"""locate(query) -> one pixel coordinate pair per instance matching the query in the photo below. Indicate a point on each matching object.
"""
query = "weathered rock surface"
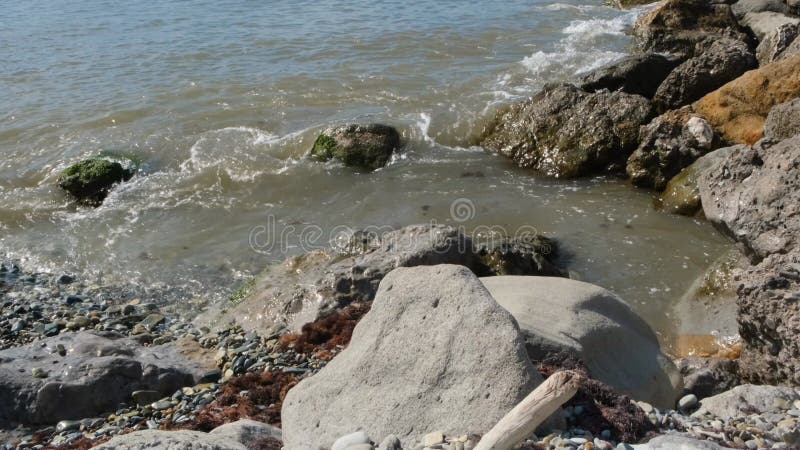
(365, 146)
(738, 109)
(748, 399)
(723, 60)
(743, 7)
(96, 373)
(705, 377)
(674, 442)
(435, 352)
(762, 24)
(557, 314)
(769, 320)
(682, 193)
(90, 180)
(676, 26)
(247, 431)
(299, 290)
(171, 440)
(754, 196)
(567, 132)
(783, 121)
(636, 74)
(669, 143)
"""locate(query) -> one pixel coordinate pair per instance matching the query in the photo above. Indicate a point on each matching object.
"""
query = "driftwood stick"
(521, 422)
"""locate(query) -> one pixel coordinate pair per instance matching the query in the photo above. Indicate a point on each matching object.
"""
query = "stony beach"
(427, 337)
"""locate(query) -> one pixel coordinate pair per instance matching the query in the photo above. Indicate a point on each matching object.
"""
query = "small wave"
(563, 6)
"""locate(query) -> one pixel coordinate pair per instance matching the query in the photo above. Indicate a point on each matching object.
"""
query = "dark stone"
(566, 132)
(705, 377)
(636, 74)
(72, 299)
(364, 146)
(66, 279)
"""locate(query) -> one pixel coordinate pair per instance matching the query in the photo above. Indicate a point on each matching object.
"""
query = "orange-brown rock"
(739, 108)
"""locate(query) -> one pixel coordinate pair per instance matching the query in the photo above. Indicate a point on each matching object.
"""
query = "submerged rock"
(739, 108)
(417, 362)
(721, 61)
(90, 180)
(669, 143)
(676, 26)
(305, 287)
(364, 146)
(566, 132)
(560, 315)
(635, 74)
(682, 193)
(97, 373)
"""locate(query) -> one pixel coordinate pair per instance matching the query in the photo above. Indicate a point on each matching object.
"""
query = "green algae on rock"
(363, 146)
(90, 180)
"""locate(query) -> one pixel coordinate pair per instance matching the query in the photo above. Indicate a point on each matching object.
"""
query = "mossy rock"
(363, 146)
(90, 180)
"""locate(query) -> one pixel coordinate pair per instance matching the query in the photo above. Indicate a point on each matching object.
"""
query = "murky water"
(220, 101)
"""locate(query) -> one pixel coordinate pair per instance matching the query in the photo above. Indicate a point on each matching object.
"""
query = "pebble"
(687, 402)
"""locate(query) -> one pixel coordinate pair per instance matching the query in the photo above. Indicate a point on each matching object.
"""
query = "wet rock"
(99, 372)
(705, 377)
(364, 146)
(783, 121)
(767, 182)
(314, 284)
(676, 26)
(743, 7)
(747, 399)
(558, 315)
(636, 74)
(171, 440)
(417, 361)
(769, 320)
(722, 61)
(566, 132)
(669, 143)
(90, 180)
(682, 193)
(739, 108)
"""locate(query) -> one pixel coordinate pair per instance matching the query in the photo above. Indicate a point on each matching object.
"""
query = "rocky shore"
(428, 338)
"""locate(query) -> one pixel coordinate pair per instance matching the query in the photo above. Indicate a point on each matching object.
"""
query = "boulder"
(678, 442)
(783, 121)
(762, 24)
(705, 377)
(769, 320)
(743, 7)
(171, 440)
(676, 26)
(754, 197)
(417, 363)
(247, 431)
(557, 315)
(778, 44)
(669, 143)
(566, 132)
(682, 193)
(639, 74)
(747, 399)
(723, 60)
(313, 284)
(97, 373)
(90, 180)
(364, 146)
(738, 109)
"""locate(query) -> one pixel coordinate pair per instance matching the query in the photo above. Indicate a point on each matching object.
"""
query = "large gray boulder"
(304, 287)
(748, 399)
(783, 121)
(754, 196)
(669, 143)
(171, 440)
(566, 132)
(435, 353)
(557, 314)
(721, 61)
(85, 374)
(639, 74)
(678, 442)
(682, 193)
